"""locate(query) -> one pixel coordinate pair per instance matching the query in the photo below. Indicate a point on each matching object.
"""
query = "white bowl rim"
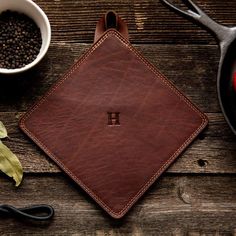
(42, 54)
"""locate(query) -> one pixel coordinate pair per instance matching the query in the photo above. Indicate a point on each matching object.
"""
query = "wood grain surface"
(149, 21)
(175, 205)
(197, 195)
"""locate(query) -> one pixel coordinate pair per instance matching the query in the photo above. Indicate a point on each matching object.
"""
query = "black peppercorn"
(20, 40)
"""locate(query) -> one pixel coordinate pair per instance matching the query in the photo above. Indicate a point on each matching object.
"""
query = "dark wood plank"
(148, 20)
(191, 68)
(204, 205)
(213, 152)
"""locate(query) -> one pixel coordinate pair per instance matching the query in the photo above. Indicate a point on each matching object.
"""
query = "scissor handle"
(220, 31)
(36, 212)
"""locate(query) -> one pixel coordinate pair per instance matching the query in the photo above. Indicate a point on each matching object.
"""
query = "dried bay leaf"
(3, 130)
(9, 163)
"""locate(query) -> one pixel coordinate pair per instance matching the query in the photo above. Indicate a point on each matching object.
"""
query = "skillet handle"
(222, 33)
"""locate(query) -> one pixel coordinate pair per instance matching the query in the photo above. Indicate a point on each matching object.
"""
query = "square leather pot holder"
(113, 122)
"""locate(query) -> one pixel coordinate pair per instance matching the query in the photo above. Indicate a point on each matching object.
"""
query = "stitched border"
(164, 166)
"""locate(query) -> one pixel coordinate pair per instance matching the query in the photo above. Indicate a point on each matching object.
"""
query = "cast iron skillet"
(227, 67)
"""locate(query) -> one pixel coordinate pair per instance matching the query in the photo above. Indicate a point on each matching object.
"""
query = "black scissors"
(226, 81)
(35, 213)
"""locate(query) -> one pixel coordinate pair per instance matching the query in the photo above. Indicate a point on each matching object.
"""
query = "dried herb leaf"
(9, 164)
(3, 130)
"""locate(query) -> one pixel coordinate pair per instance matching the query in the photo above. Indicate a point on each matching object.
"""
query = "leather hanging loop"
(111, 20)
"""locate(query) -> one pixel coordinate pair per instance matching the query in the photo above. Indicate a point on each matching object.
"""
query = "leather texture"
(113, 123)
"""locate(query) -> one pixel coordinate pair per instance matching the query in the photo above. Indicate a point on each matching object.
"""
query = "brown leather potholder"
(113, 122)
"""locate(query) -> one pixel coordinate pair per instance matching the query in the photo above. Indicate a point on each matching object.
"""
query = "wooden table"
(197, 195)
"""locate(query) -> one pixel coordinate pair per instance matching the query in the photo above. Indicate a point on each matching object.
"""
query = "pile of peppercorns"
(20, 40)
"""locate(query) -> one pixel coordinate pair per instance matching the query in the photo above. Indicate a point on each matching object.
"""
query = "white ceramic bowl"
(32, 10)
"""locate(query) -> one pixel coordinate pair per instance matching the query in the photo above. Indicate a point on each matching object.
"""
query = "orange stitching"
(161, 77)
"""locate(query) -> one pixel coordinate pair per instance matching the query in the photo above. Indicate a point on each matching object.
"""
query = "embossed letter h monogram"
(113, 118)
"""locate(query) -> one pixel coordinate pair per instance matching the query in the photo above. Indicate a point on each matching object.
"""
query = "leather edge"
(131, 202)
